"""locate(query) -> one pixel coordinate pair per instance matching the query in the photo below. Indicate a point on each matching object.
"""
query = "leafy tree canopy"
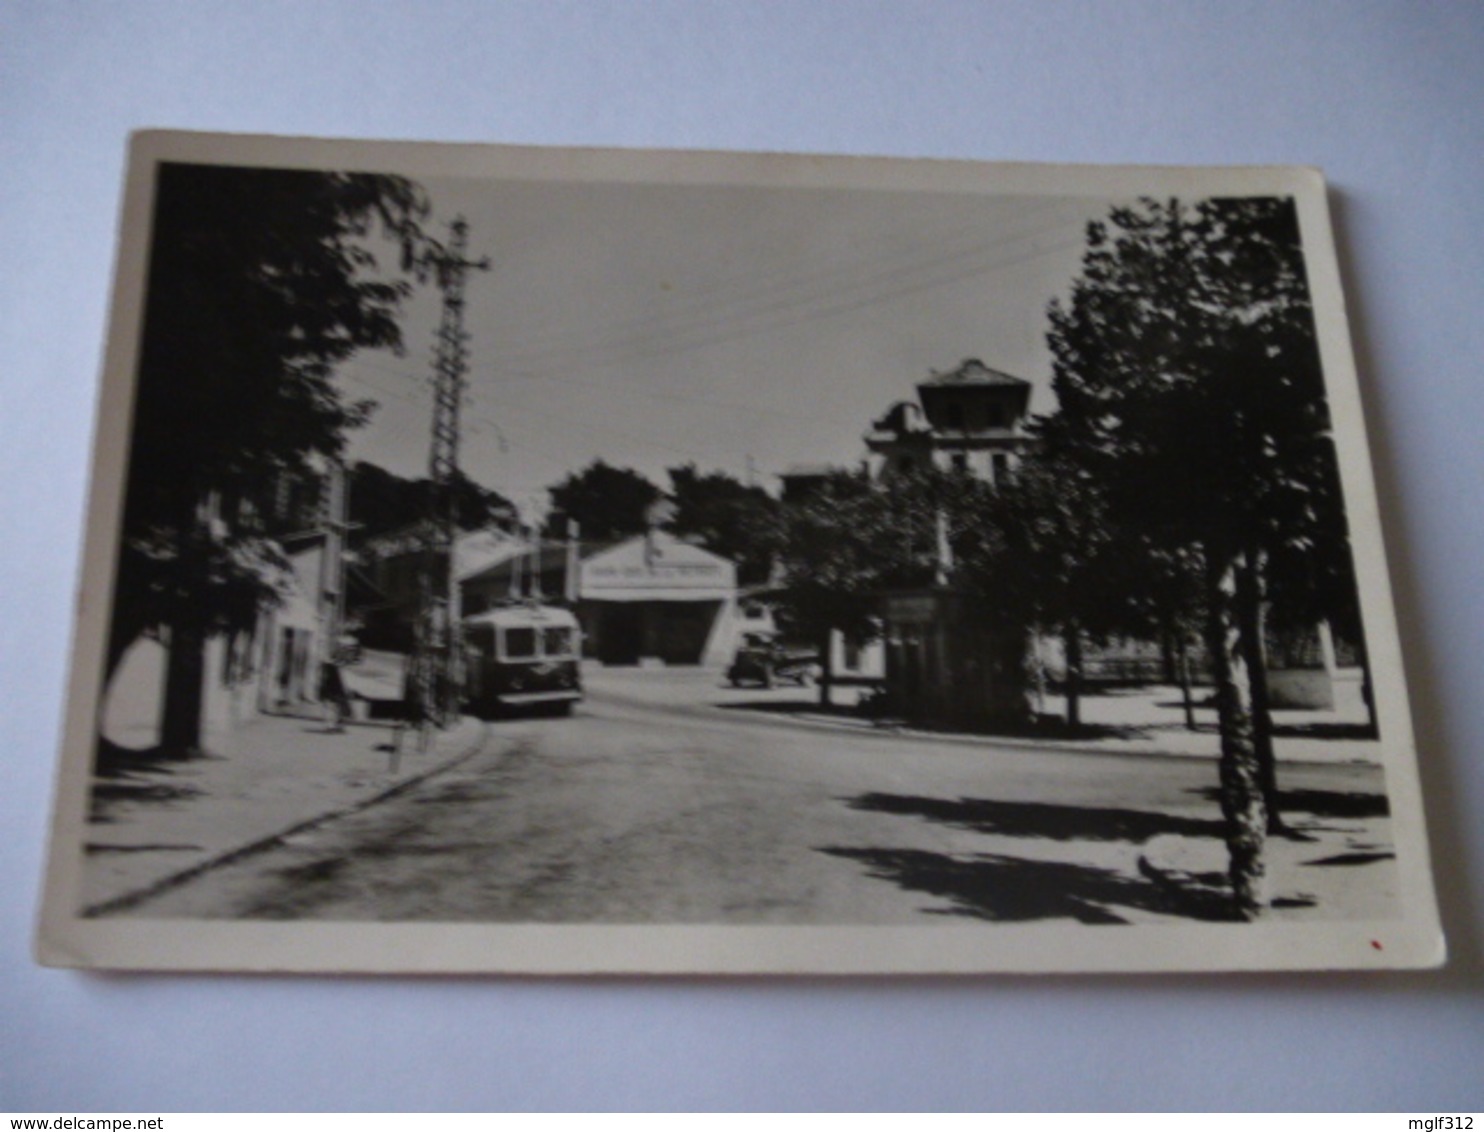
(851, 538)
(260, 280)
(1185, 363)
(739, 522)
(1188, 382)
(607, 502)
(381, 501)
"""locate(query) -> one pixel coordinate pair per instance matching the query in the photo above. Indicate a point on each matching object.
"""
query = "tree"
(381, 501)
(260, 281)
(834, 558)
(1188, 382)
(851, 538)
(606, 502)
(741, 523)
(1065, 535)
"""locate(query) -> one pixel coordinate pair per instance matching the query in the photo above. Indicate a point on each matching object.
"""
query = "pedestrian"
(332, 691)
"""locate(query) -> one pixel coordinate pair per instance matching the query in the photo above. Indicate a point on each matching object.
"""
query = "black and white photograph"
(536, 561)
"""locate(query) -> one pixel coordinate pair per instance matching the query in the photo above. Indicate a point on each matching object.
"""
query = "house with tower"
(970, 418)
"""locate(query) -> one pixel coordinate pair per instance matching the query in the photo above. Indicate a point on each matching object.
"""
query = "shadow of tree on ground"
(1326, 730)
(791, 707)
(1010, 889)
(1321, 803)
(1041, 727)
(1040, 819)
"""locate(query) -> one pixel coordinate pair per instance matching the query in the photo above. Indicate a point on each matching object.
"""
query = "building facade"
(656, 599)
(969, 419)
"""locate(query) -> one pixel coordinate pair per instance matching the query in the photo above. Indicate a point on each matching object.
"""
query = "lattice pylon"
(437, 668)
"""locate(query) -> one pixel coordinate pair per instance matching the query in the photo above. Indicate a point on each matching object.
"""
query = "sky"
(737, 328)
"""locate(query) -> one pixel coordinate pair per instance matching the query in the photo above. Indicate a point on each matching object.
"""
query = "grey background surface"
(1387, 97)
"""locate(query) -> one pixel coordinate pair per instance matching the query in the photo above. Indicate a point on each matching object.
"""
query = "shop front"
(657, 600)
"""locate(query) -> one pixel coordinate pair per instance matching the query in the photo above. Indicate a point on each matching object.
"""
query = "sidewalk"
(265, 779)
(1147, 720)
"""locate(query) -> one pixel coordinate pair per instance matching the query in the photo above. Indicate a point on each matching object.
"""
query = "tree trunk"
(185, 667)
(185, 670)
(1240, 774)
(1186, 699)
(826, 673)
(1072, 642)
(1250, 596)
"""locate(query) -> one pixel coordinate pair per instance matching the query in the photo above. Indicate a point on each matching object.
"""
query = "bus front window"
(520, 644)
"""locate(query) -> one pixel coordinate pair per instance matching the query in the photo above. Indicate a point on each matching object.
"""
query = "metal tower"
(438, 658)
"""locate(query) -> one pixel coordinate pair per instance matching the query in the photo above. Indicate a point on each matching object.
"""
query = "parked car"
(767, 662)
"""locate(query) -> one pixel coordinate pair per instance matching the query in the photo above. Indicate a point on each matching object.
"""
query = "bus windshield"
(556, 640)
(520, 644)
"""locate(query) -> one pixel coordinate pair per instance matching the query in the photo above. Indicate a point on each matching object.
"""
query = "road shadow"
(1351, 732)
(124, 791)
(1010, 889)
(1320, 803)
(1043, 726)
(111, 761)
(791, 707)
(1329, 730)
(1047, 725)
(1040, 819)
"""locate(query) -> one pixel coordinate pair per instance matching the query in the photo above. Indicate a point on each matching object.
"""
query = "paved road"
(638, 810)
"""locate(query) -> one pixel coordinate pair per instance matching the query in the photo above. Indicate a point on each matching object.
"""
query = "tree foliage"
(260, 281)
(1188, 381)
(730, 518)
(381, 501)
(1187, 377)
(607, 502)
(836, 555)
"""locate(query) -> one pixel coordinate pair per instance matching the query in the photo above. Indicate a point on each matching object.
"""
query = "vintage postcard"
(566, 561)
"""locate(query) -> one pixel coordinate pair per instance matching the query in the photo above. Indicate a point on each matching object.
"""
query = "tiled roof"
(971, 371)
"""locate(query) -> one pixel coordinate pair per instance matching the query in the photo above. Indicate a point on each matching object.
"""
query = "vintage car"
(766, 662)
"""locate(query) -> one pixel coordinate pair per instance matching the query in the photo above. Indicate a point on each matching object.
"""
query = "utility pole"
(437, 662)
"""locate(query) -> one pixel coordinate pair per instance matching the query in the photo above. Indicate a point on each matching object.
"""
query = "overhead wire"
(751, 288)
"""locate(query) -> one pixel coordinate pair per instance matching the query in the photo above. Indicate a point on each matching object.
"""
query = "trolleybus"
(522, 657)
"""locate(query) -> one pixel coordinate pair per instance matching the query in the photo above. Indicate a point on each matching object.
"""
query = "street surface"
(665, 799)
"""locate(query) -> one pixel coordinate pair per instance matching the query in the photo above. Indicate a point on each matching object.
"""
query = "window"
(1001, 464)
(520, 644)
(556, 641)
(960, 461)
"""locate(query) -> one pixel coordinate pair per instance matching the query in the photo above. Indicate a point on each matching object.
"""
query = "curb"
(229, 856)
